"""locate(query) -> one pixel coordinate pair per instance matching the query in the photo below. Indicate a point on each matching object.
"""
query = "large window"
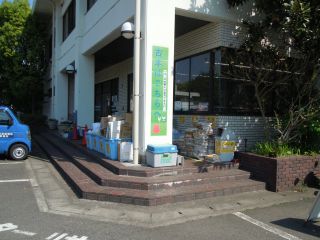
(192, 84)
(69, 19)
(204, 85)
(90, 4)
(233, 93)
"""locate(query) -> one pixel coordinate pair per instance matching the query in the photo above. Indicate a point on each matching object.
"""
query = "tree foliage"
(22, 55)
(286, 39)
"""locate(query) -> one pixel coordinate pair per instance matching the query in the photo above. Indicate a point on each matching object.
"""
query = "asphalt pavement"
(36, 204)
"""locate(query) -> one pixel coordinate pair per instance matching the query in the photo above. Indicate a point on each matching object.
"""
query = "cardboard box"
(125, 151)
(126, 130)
(129, 118)
(105, 120)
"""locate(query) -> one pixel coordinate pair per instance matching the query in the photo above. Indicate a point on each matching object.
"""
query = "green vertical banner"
(159, 98)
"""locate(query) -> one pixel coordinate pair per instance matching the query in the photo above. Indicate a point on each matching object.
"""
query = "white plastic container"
(161, 155)
(113, 130)
(125, 151)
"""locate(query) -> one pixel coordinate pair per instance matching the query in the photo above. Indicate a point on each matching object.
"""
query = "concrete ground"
(37, 204)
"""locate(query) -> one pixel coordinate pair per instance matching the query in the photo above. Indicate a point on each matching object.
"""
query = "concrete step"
(86, 188)
(104, 177)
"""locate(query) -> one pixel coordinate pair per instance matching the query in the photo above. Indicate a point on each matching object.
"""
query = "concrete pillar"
(59, 79)
(156, 78)
(84, 89)
(84, 77)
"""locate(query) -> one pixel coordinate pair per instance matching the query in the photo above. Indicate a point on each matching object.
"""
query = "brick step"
(87, 188)
(102, 176)
(138, 171)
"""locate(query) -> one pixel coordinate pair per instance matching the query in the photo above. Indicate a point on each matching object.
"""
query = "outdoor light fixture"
(70, 69)
(127, 30)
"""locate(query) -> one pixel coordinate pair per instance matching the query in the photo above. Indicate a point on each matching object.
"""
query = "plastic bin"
(102, 145)
(112, 148)
(95, 142)
(161, 155)
(89, 140)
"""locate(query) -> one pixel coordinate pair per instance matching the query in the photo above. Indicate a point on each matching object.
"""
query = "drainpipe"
(53, 61)
(136, 83)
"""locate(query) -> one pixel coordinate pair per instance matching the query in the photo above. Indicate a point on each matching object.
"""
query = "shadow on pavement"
(311, 228)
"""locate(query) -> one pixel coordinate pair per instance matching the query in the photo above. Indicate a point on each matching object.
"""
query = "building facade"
(184, 44)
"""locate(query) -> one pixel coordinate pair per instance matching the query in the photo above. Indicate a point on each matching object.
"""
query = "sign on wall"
(159, 96)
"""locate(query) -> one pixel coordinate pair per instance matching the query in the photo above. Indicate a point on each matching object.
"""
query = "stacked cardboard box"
(197, 142)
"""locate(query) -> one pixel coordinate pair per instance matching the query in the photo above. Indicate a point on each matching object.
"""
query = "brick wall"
(280, 174)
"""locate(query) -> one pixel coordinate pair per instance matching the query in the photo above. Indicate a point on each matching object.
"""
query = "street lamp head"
(70, 69)
(127, 30)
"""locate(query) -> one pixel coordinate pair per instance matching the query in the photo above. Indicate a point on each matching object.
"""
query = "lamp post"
(128, 32)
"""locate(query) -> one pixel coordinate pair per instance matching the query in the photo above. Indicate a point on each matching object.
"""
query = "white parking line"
(273, 230)
(14, 180)
(11, 163)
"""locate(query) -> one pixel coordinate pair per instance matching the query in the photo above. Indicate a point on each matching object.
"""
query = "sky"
(30, 2)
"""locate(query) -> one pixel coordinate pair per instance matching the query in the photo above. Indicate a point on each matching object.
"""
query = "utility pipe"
(136, 83)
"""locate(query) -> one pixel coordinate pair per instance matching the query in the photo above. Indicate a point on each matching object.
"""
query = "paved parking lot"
(21, 218)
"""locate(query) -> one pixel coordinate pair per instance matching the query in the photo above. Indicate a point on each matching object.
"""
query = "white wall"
(210, 36)
(157, 27)
(103, 21)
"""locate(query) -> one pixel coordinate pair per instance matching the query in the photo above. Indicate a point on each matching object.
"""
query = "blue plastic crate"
(95, 142)
(102, 145)
(89, 140)
(112, 148)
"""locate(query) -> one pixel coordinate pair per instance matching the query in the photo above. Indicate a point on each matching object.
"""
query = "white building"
(183, 39)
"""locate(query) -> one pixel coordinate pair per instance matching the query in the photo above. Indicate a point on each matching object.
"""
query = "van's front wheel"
(19, 152)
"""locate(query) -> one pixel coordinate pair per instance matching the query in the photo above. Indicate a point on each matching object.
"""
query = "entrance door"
(106, 98)
(70, 97)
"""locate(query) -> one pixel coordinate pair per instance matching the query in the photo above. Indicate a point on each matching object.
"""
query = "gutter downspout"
(53, 61)
(136, 82)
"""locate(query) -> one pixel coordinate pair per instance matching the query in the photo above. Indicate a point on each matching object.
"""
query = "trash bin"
(225, 144)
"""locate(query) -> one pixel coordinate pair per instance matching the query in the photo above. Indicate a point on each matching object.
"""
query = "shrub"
(274, 149)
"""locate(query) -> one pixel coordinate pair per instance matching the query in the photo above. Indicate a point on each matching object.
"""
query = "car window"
(4, 117)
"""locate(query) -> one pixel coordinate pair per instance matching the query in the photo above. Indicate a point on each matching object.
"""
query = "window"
(90, 4)
(233, 93)
(69, 20)
(192, 84)
(204, 85)
(4, 118)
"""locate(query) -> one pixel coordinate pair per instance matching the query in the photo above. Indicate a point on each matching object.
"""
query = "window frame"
(69, 20)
